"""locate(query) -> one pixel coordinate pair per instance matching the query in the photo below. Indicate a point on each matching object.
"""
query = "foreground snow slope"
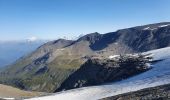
(158, 75)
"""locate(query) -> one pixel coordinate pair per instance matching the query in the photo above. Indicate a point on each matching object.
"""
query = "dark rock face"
(154, 93)
(41, 70)
(104, 41)
(98, 71)
(92, 38)
(42, 60)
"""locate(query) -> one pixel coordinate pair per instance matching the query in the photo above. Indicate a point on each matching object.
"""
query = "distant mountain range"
(10, 51)
(51, 64)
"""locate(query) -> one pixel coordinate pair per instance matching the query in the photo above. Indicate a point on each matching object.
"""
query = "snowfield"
(158, 75)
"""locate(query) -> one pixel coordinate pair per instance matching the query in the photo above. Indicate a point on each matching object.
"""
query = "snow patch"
(154, 28)
(116, 43)
(113, 56)
(147, 28)
(164, 25)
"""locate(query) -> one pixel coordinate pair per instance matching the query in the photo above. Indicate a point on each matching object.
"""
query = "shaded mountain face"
(98, 71)
(51, 64)
(137, 39)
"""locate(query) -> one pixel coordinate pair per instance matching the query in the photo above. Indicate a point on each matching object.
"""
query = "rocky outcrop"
(98, 71)
(154, 93)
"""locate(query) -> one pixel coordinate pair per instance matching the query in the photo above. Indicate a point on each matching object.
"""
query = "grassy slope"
(58, 70)
(65, 62)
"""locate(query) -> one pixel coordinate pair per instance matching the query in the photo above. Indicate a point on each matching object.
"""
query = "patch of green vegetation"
(66, 62)
(48, 81)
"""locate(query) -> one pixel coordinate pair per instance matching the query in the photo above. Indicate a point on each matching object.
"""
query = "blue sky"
(52, 19)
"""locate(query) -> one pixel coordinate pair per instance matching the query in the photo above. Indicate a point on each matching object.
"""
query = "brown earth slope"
(11, 92)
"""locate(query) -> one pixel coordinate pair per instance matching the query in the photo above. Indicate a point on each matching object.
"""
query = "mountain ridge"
(46, 68)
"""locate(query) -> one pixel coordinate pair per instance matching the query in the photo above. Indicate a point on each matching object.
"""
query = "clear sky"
(51, 19)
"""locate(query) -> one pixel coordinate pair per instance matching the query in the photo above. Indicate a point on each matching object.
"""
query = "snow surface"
(113, 56)
(158, 75)
(164, 25)
(147, 28)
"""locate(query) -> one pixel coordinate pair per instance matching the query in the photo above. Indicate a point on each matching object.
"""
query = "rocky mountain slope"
(51, 64)
(99, 71)
(154, 93)
(157, 76)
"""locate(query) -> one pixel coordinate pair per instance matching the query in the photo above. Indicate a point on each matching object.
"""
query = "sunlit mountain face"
(10, 51)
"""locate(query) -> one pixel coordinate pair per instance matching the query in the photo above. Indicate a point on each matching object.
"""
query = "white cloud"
(33, 38)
